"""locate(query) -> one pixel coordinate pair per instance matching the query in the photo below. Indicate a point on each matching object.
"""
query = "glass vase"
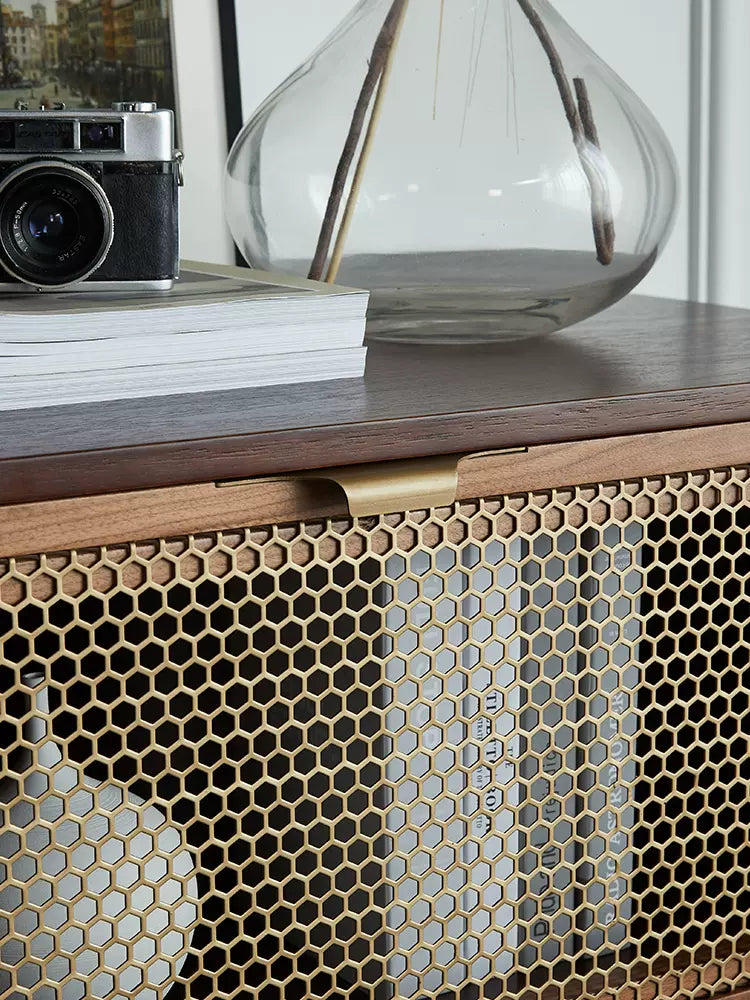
(474, 164)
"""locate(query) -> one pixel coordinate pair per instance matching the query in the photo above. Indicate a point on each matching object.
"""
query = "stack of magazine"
(217, 328)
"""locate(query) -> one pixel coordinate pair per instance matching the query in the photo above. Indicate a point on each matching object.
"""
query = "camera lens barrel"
(56, 224)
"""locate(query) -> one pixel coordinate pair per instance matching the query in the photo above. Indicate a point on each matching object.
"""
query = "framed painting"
(86, 53)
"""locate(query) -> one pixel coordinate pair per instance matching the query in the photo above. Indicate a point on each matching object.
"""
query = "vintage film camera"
(89, 199)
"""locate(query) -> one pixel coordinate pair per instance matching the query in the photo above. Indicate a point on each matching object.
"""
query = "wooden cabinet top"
(647, 364)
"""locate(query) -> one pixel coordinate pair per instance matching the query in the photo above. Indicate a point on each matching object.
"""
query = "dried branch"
(364, 156)
(558, 70)
(581, 120)
(578, 112)
(601, 203)
(378, 60)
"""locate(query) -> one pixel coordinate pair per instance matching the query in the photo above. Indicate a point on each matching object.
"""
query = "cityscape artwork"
(85, 53)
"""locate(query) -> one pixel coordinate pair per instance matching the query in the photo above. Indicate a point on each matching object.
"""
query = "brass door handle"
(385, 487)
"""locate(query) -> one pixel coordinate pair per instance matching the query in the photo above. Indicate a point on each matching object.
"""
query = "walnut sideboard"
(432, 685)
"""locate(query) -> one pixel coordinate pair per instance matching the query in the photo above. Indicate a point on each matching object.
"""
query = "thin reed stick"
(467, 97)
(482, 33)
(437, 58)
(364, 156)
(383, 45)
(511, 89)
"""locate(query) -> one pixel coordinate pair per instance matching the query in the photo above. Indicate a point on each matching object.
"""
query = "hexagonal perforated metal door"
(498, 748)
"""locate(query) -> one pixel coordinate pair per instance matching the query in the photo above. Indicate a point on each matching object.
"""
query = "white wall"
(728, 154)
(204, 235)
(277, 37)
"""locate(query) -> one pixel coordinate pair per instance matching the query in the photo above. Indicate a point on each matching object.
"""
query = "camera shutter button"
(133, 106)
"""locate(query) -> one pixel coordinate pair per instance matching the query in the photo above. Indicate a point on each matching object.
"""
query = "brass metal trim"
(386, 487)
(495, 749)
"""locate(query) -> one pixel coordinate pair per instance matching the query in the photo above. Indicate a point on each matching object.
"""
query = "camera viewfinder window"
(101, 135)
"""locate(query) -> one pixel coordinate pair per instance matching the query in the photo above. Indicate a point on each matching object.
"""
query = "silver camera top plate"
(147, 133)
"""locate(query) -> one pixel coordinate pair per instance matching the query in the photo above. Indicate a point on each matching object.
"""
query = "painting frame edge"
(230, 69)
(232, 86)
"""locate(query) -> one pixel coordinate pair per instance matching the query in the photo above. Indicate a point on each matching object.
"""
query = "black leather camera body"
(89, 200)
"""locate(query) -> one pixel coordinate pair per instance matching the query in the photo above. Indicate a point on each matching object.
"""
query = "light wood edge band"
(696, 982)
(87, 522)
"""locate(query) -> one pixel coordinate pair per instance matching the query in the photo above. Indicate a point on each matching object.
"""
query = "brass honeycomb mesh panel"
(500, 748)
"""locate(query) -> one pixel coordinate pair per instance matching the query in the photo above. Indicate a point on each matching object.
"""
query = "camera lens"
(56, 224)
(45, 222)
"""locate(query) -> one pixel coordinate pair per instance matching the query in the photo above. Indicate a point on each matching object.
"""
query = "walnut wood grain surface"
(647, 364)
(90, 521)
